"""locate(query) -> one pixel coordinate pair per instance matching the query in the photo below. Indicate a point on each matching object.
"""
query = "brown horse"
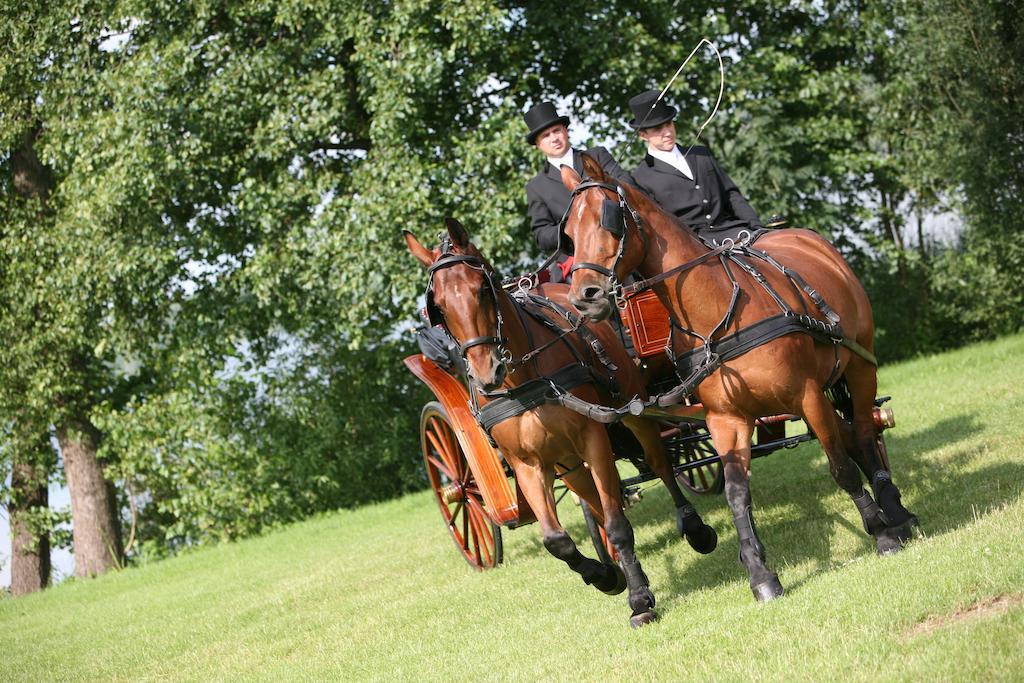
(785, 375)
(491, 326)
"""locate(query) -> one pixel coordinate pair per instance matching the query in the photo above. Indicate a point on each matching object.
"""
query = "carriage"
(476, 490)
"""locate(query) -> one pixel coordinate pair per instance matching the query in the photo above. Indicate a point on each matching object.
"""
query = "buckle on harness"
(620, 298)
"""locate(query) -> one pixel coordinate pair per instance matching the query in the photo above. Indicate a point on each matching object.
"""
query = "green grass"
(380, 592)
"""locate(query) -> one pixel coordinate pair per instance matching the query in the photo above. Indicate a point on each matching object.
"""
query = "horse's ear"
(592, 169)
(570, 178)
(460, 237)
(422, 254)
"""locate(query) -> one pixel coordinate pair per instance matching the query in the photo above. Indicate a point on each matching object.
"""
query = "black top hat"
(540, 117)
(644, 116)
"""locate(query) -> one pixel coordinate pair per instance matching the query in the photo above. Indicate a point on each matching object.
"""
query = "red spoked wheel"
(706, 479)
(456, 491)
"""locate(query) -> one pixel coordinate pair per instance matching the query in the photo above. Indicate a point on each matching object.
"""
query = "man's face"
(662, 138)
(553, 140)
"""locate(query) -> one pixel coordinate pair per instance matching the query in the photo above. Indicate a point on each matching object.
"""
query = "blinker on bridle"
(434, 316)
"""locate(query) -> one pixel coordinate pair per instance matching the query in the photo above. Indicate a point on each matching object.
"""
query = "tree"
(951, 117)
(48, 366)
(27, 509)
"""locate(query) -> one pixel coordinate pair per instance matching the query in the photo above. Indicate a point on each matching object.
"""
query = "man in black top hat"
(545, 193)
(686, 183)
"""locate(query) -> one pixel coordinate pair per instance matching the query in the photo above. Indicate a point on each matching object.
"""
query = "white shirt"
(564, 160)
(674, 158)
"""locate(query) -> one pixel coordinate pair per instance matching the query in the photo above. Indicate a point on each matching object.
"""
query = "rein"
(533, 353)
(641, 285)
(714, 352)
(543, 389)
(576, 323)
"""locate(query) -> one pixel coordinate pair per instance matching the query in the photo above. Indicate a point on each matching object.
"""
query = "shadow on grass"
(945, 497)
(790, 490)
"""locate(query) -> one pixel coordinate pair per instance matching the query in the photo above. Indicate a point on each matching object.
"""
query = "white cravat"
(564, 160)
(674, 159)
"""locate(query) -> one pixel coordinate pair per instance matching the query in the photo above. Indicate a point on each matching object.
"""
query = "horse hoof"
(892, 539)
(704, 540)
(886, 547)
(620, 580)
(642, 619)
(907, 528)
(768, 590)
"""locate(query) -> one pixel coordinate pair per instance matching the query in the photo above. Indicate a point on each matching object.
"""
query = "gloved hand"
(566, 266)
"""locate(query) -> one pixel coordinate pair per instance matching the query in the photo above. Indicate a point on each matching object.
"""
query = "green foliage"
(959, 295)
(228, 458)
(976, 294)
(952, 117)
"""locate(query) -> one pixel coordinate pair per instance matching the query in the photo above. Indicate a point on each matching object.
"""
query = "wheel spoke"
(703, 480)
(706, 478)
(475, 526)
(441, 466)
(483, 531)
(457, 462)
(485, 542)
(479, 528)
(451, 452)
(455, 514)
(435, 441)
(436, 429)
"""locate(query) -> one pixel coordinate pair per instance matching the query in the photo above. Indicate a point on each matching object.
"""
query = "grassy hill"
(380, 592)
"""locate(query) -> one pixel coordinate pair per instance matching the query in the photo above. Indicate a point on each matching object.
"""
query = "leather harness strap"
(531, 394)
(696, 365)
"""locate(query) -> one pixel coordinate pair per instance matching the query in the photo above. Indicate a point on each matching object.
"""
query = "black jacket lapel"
(668, 169)
(691, 161)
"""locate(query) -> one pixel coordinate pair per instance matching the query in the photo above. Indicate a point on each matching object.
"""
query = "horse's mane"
(592, 169)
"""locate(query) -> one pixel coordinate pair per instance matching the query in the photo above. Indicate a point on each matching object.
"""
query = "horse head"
(606, 236)
(463, 296)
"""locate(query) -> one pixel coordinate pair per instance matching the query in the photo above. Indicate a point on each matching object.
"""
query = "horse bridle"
(434, 315)
(613, 220)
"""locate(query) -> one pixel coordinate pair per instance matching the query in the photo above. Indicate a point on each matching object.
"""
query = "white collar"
(564, 160)
(674, 159)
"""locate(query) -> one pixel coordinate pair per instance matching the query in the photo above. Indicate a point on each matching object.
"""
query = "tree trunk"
(922, 249)
(29, 176)
(95, 528)
(30, 554)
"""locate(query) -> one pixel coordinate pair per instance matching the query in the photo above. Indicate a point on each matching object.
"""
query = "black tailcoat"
(710, 204)
(548, 199)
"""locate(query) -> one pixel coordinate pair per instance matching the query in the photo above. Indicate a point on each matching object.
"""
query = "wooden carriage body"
(484, 460)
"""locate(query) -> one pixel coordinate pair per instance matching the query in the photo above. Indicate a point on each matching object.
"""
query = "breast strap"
(531, 394)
